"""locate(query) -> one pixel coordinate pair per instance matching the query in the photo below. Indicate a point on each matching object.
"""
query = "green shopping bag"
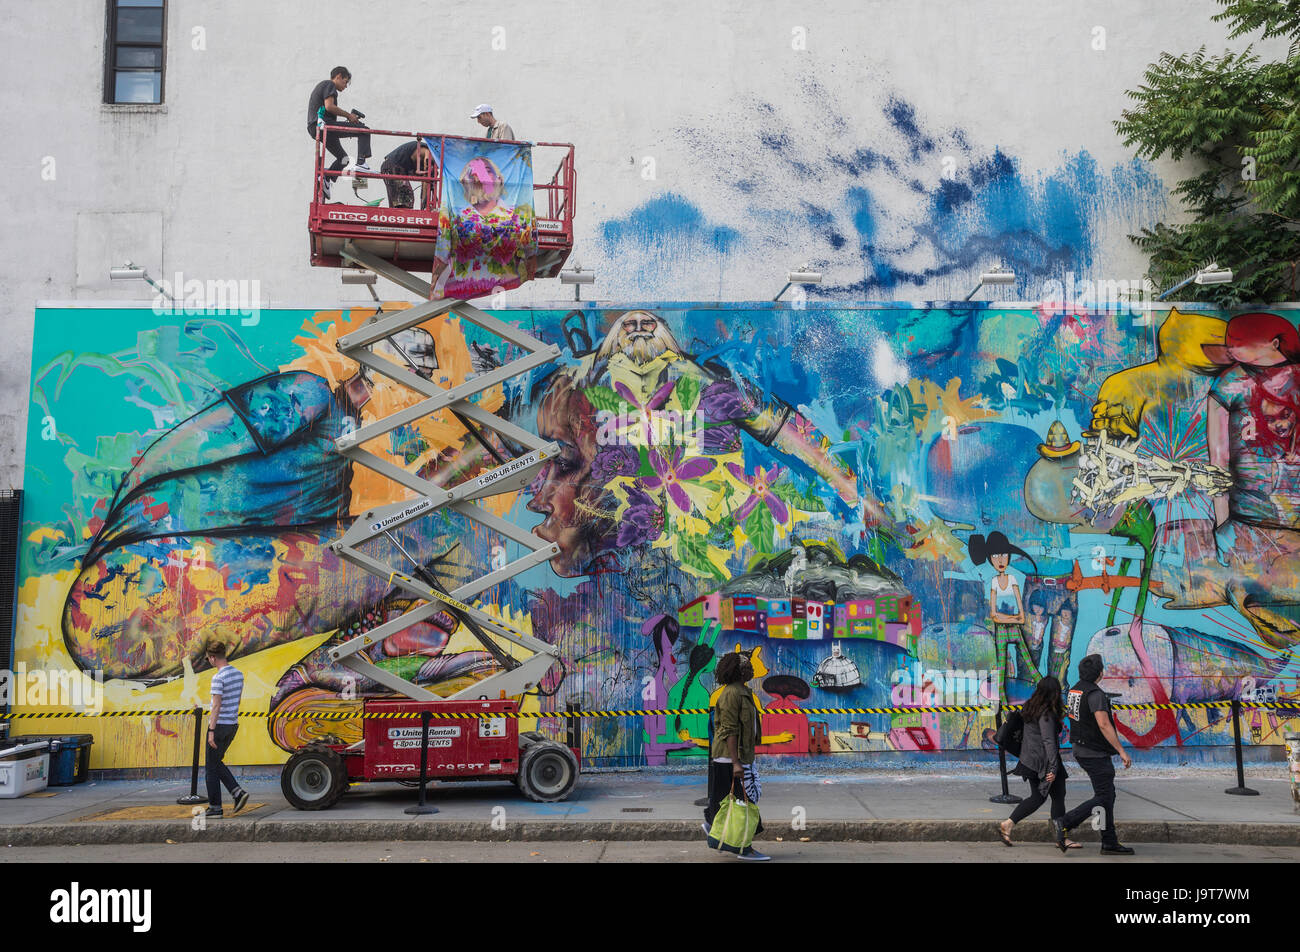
(734, 827)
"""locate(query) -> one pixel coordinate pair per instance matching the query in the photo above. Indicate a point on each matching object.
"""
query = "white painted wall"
(215, 183)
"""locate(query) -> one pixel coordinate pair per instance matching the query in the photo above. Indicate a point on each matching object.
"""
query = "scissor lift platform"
(407, 238)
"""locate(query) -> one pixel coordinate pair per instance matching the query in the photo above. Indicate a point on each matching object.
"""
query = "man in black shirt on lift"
(1095, 742)
(410, 158)
(323, 107)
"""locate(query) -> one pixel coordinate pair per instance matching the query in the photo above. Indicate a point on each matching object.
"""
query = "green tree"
(1235, 118)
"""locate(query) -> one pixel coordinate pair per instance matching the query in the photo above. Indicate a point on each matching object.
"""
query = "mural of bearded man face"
(640, 335)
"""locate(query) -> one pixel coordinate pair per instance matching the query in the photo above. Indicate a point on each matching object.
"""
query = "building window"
(133, 64)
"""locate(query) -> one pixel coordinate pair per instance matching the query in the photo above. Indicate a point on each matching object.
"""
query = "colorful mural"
(891, 507)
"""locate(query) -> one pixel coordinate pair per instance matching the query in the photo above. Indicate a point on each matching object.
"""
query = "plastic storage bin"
(69, 756)
(24, 769)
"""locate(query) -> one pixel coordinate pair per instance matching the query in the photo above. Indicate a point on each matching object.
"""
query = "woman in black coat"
(1040, 760)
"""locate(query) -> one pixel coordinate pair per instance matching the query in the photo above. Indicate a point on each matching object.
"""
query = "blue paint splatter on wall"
(888, 211)
(669, 217)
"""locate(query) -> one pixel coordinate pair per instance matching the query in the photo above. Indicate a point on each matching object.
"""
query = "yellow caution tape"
(1291, 707)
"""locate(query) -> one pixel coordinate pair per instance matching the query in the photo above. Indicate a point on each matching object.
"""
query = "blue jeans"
(215, 772)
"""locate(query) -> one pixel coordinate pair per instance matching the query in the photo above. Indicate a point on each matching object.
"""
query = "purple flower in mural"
(671, 470)
(760, 490)
(614, 461)
(657, 399)
(656, 402)
(643, 521)
(720, 403)
(724, 438)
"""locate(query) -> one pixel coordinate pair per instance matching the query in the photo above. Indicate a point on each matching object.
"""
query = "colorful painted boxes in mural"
(893, 619)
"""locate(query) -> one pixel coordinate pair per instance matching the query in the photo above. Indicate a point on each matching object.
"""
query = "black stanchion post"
(421, 807)
(1006, 796)
(709, 760)
(1240, 790)
(194, 797)
(574, 725)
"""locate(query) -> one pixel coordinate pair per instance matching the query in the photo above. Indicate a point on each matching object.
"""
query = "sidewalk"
(1155, 805)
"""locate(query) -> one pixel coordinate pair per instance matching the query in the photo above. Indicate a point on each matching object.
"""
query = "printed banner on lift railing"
(488, 232)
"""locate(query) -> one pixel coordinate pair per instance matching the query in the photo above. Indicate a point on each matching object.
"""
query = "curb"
(354, 831)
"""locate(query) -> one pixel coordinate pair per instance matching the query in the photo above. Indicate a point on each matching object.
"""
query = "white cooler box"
(24, 769)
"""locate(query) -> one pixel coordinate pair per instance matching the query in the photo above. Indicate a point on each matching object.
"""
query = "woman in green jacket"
(737, 729)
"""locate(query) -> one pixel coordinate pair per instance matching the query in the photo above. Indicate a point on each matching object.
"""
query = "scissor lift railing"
(408, 237)
(509, 475)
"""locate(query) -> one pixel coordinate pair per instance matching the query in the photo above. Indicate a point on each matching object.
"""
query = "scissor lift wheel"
(314, 778)
(547, 772)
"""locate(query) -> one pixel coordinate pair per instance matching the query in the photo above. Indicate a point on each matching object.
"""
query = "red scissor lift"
(407, 237)
(476, 733)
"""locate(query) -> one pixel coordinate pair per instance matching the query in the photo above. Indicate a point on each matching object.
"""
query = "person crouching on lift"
(410, 158)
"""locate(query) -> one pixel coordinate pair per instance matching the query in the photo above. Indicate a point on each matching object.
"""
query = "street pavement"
(1172, 806)
(653, 851)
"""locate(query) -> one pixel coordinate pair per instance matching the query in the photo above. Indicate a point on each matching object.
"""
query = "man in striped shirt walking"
(223, 722)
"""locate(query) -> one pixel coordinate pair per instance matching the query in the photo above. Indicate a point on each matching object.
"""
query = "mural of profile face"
(565, 491)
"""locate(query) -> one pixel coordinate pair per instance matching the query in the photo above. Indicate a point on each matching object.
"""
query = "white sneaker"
(362, 168)
(325, 183)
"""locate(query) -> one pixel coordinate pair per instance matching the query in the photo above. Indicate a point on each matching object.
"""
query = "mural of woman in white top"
(1006, 607)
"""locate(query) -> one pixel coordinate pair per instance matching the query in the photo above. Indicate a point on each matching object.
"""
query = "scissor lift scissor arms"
(496, 435)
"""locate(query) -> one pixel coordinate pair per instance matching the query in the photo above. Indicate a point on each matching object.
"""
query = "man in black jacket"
(1095, 742)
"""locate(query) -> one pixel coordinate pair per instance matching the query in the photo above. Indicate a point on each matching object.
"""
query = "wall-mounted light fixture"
(130, 272)
(804, 275)
(361, 276)
(998, 275)
(577, 277)
(1210, 274)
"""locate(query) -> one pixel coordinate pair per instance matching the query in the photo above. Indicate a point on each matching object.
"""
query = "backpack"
(1011, 734)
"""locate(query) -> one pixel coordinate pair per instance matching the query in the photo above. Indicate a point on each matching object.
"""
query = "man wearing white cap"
(497, 129)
